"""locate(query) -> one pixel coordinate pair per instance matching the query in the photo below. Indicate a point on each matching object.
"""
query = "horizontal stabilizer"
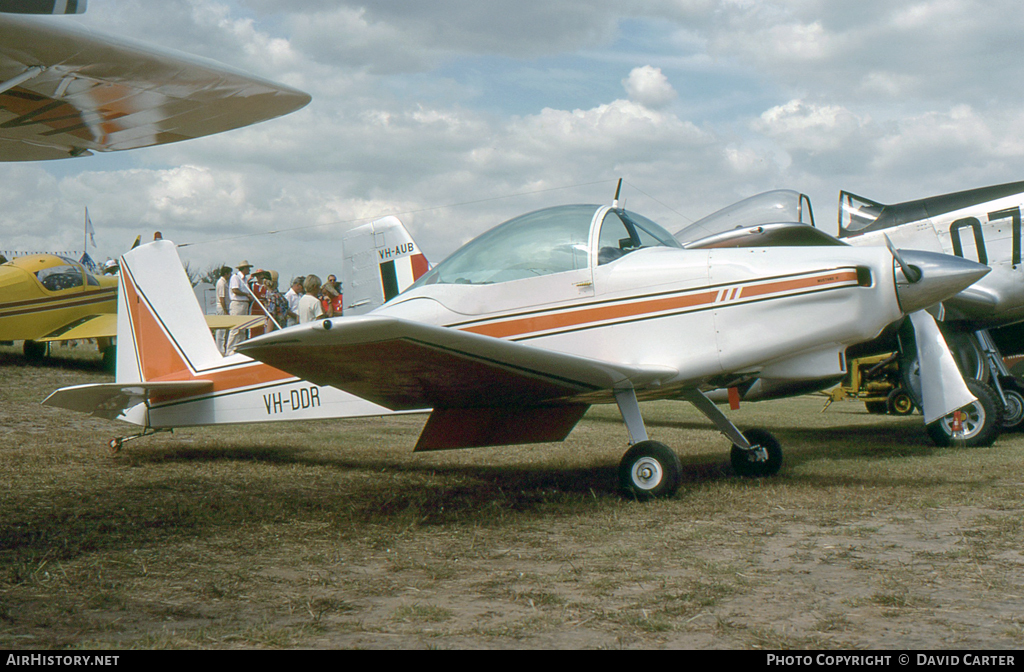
(109, 400)
(402, 364)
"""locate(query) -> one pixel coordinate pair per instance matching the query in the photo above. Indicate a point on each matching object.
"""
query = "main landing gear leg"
(115, 444)
(754, 453)
(649, 469)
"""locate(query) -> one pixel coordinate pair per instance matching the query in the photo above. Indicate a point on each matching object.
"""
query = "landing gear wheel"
(35, 351)
(649, 470)
(876, 407)
(746, 462)
(1013, 411)
(899, 402)
(115, 446)
(110, 358)
(982, 420)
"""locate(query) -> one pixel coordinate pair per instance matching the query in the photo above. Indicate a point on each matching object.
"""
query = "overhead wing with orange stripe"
(66, 91)
(402, 364)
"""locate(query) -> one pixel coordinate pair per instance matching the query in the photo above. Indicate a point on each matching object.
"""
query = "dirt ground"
(335, 535)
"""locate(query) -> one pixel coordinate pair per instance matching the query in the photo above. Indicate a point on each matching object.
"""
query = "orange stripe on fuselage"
(801, 283)
(576, 318)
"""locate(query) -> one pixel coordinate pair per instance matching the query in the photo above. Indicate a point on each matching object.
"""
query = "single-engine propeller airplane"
(47, 297)
(517, 333)
(982, 224)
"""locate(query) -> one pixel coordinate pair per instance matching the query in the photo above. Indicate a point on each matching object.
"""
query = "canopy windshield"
(543, 242)
(770, 207)
(538, 243)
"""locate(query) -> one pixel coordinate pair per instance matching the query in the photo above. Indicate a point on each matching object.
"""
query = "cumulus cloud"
(722, 99)
(803, 125)
(649, 87)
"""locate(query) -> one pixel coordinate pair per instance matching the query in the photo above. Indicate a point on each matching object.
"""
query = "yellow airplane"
(47, 297)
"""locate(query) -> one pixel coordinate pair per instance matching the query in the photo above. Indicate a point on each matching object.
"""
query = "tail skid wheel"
(764, 460)
(649, 470)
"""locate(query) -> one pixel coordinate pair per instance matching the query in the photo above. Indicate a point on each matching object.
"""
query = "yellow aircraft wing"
(93, 326)
(66, 91)
(105, 326)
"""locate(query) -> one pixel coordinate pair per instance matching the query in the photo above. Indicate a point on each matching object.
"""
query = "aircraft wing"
(484, 391)
(235, 321)
(109, 400)
(66, 91)
(402, 365)
(103, 325)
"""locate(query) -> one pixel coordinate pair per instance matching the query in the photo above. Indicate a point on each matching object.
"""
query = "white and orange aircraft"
(516, 334)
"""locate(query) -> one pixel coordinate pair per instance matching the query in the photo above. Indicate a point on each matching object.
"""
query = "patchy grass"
(334, 534)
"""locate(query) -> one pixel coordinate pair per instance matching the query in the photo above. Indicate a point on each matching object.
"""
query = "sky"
(456, 115)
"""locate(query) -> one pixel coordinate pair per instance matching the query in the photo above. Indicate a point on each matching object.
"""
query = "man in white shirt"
(309, 305)
(292, 296)
(238, 290)
(222, 306)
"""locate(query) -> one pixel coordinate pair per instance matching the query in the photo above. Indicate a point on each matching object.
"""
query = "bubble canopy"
(552, 240)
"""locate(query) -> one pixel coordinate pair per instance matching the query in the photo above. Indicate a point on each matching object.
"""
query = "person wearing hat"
(239, 292)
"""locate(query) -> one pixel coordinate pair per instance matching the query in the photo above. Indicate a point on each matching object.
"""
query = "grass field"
(334, 534)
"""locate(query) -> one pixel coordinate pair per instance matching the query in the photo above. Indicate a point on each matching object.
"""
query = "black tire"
(649, 470)
(743, 461)
(876, 407)
(35, 351)
(110, 359)
(1013, 411)
(899, 402)
(982, 422)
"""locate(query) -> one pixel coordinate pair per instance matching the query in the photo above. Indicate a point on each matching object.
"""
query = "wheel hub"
(647, 473)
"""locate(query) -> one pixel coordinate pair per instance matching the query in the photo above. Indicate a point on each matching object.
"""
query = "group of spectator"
(247, 292)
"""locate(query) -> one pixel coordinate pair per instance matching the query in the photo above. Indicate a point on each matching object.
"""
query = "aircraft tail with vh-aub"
(170, 372)
(381, 261)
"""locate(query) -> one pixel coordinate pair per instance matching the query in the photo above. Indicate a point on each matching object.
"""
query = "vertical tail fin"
(381, 260)
(161, 331)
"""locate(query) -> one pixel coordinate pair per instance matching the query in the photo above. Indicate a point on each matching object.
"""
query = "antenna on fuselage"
(615, 201)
